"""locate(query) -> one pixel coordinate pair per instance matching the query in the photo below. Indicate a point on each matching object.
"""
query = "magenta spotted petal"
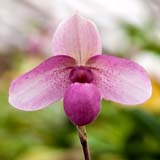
(82, 103)
(120, 80)
(43, 85)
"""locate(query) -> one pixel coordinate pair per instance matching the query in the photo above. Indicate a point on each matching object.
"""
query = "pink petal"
(82, 103)
(120, 80)
(41, 86)
(78, 38)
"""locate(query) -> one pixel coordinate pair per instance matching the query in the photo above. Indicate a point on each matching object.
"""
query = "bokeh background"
(128, 28)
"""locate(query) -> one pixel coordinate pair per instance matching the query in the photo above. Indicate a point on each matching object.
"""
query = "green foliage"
(144, 38)
(118, 133)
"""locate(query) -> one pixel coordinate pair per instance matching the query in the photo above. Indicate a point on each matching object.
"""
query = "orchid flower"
(80, 75)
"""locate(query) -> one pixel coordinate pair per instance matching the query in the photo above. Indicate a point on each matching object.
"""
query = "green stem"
(83, 139)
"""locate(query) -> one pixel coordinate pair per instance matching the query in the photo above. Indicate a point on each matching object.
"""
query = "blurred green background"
(119, 133)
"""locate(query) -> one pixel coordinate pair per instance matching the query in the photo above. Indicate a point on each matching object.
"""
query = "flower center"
(81, 75)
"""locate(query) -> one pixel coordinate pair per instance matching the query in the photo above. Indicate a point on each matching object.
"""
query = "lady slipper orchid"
(80, 75)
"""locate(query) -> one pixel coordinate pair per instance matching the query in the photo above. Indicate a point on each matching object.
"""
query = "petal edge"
(120, 80)
(41, 86)
(77, 37)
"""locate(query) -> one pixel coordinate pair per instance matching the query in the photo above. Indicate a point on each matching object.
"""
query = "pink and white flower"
(80, 75)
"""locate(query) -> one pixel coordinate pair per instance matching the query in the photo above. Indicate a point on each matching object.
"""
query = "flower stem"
(83, 139)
